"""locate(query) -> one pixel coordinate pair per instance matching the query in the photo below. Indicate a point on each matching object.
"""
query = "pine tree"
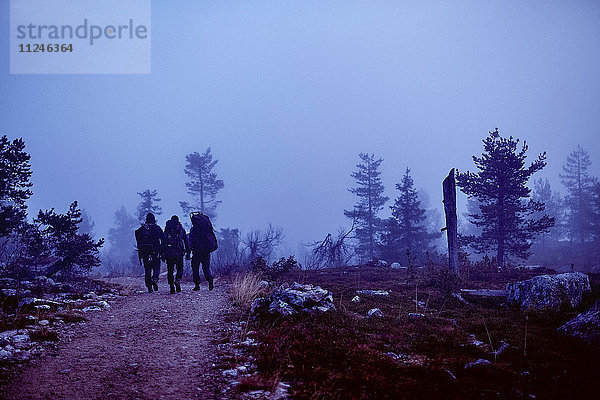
(542, 193)
(500, 186)
(121, 237)
(149, 204)
(579, 198)
(65, 244)
(15, 172)
(203, 184)
(405, 230)
(371, 200)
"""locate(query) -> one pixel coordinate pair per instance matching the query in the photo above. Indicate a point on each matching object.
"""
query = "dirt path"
(146, 346)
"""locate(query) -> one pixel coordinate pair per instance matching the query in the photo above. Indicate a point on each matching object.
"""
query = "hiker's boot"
(149, 289)
(210, 284)
(172, 289)
(155, 284)
(197, 287)
(177, 286)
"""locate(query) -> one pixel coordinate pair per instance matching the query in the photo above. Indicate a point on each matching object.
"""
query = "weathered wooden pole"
(449, 186)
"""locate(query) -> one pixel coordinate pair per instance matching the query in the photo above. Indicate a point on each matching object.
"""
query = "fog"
(287, 96)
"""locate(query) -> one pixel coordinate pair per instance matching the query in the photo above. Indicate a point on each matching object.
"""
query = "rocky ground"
(141, 346)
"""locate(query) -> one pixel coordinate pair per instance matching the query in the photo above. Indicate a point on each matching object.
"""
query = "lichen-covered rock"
(375, 313)
(548, 292)
(286, 301)
(373, 292)
(585, 326)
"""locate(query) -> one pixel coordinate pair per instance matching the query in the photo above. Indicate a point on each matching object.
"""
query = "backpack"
(143, 237)
(202, 234)
(172, 240)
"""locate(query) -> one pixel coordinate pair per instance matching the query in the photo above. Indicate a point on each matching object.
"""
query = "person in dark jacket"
(203, 242)
(174, 245)
(148, 238)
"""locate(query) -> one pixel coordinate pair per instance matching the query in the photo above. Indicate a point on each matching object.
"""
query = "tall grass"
(246, 288)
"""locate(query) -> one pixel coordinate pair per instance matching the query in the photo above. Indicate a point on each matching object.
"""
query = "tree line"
(505, 217)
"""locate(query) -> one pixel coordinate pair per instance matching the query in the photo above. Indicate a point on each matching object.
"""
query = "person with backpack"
(175, 245)
(148, 238)
(202, 242)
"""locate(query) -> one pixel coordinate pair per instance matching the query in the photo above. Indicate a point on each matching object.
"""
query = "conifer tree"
(371, 200)
(579, 194)
(405, 229)
(203, 184)
(500, 186)
(121, 236)
(148, 204)
(15, 172)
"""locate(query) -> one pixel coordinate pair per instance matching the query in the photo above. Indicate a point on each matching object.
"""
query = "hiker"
(148, 238)
(203, 241)
(175, 245)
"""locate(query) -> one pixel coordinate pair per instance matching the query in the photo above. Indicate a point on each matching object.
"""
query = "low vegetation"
(423, 345)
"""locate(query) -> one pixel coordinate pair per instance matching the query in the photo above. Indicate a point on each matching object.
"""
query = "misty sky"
(287, 94)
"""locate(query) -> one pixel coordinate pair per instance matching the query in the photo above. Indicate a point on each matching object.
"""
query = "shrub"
(276, 270)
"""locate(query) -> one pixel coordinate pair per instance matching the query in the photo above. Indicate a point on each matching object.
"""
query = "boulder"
(375, 312)
(286, 301)
(482, 362)
(373, 292)
(548, 292)
(396, 265)
(585, 326)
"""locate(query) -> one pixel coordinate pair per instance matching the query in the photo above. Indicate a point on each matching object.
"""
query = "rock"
(374, 292)
(103, 304)
(44, 322)
(548, 292)
(478, 363)
(585, 326)
(355, 299)
(29, 303)
(286, 301)
(65, 371)
(8, 292)
(396, 265)
(375, 312)
(5, 354)
(44, 280)
(413, 315)
(91, 308)
(484, 297)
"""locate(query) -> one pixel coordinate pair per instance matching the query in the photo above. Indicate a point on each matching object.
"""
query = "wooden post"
(449, 186)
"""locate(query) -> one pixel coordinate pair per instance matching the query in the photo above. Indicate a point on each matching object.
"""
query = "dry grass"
(246, 288)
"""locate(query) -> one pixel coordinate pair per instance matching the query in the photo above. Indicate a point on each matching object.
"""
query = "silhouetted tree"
(332, 252)
(579, 194)
(148, 204)
(500, 187)
(405, 231)
(371, 200)
(203, 184)
(542, 193)
(230, 251)
(262, 244)
(64, 245)
(15, 172)
(121, 236)
(87, 224)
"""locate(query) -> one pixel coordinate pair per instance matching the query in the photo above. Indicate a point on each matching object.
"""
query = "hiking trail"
(158, 346)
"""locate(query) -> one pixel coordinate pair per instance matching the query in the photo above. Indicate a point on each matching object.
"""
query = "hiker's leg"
(196, 268)
(155, 269)
(205, 259)
(170, 269)
(179, 265)
(147, 272)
